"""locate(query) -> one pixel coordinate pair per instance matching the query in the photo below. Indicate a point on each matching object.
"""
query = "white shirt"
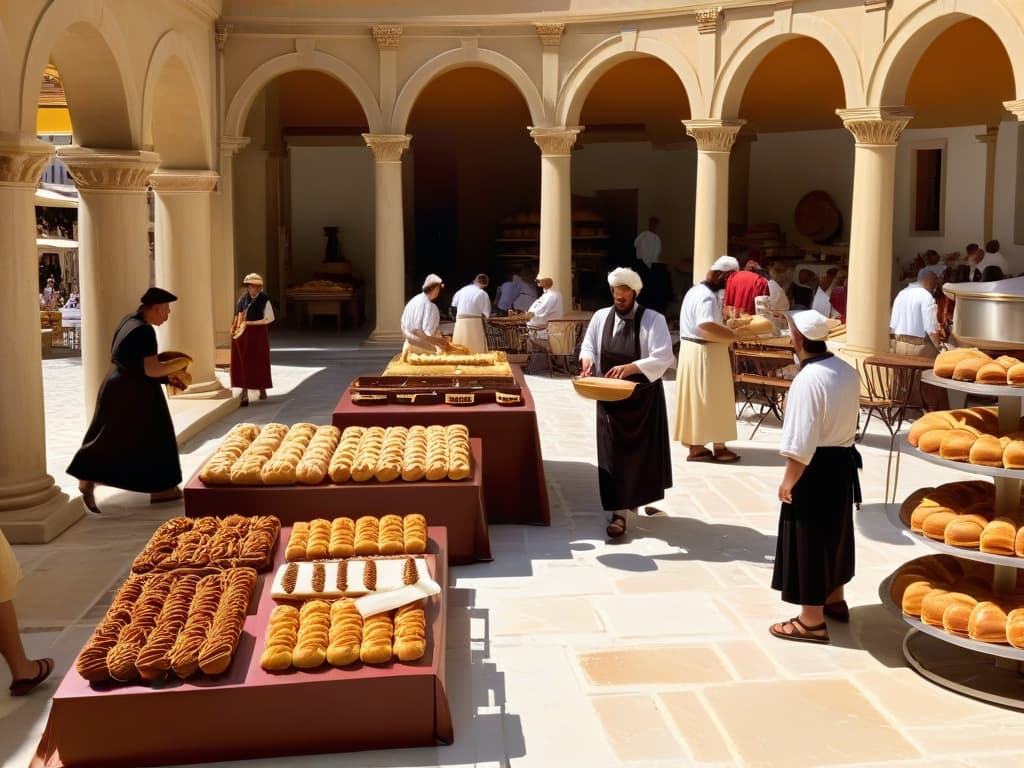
(822, 303)
(700, 305)
(648, 247)
(420, 314)
(471, 301)
(914, 312)
(655, 343)
(821, 409)
(777, 298)
(994, 260)
(545, 309)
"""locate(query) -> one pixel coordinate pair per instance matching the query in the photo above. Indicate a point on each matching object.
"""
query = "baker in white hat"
(421, 319)
(814, 552)
(706, 405)
(630, 341)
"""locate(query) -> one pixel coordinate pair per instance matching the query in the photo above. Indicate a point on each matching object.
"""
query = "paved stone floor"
(567, 650)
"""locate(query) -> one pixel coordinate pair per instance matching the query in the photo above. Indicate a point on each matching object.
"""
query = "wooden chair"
(563, 344)
(506, 335)
(757, 381)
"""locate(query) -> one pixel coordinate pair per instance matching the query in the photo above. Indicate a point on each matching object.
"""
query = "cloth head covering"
(157, 296)
(627, 277)
(752, 264)
(725, 264)
(432, 280)
(252, 279)
(810, 323)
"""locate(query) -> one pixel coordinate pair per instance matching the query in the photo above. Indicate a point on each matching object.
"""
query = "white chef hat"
(725, 264)
(627, 277)
(810, 323)
(432, 280)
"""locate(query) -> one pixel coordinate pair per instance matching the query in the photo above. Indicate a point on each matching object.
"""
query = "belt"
(693, 340)
(906, 339)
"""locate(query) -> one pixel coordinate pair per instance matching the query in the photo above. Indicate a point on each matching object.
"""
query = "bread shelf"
(970, 387)
(962, 466)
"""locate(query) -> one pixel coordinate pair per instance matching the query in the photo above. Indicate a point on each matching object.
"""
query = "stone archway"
(175, 114)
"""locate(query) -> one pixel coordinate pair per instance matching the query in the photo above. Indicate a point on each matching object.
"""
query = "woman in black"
(130, 443)
(250, 342)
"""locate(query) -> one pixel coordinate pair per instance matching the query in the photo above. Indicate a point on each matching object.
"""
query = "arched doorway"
(472, 169)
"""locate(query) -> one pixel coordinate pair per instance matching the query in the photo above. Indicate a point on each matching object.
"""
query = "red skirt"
(250, 359)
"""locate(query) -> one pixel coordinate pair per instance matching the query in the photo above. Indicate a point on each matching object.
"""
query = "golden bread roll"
(934, 526)
(410, 641)
(987, 623)
(931, 441)
(217, 650)
(314, 630)
(982, 420)
(282, 633)
(937, 602)
(415, 533)
(956, 445)
(346, 633)
(318, 546)
(1015, 375)
(991, 373)
(998, 537)
(184, 655)
(1013, 455)
(1018, 543)
(967, 369)
(391, 535)
(965, 531)
(343, 534)
(376, 647)
(296, 549)
(926, 423)
(367, 533)
(1007, 361)
(921, 513)
(946, 362)
(914, 595)
(986, 451)
(957, 617)
(1015, 628)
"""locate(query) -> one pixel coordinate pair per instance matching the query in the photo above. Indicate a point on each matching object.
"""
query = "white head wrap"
(627, 277)
(810, 323)
(725, 264)
(432, 280)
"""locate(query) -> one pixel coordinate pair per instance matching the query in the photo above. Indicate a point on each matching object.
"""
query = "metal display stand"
(987, 671)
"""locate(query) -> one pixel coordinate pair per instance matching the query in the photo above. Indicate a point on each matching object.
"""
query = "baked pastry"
(965, 531)
(946, 362)
(931, 441)
(415, 533)
(986, 451)
(319, 544)
(184, 655)
(340, 468)
(967, 369)
(1015, 628)
(1015, 375)
(956, 445)
(934, 526)
(987, 623)
(998, 537)
(343, 534)
(376, 647)
(314, 630)
(391, 535)
(914, 595)
(297, 542)
(367, 536)
(991, 373)
(921, 513)
(219, 647)
(1018, 543)
(282, 634)
(1013, 454)
(154, 660)
(410, 641)
(346, 633)
(957, 617)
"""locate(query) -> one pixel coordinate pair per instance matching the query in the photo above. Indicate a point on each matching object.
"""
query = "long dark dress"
(130, 443)
(633, 455)
(250, 352)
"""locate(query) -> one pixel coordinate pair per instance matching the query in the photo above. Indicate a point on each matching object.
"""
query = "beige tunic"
(705, 403)
(10, 571)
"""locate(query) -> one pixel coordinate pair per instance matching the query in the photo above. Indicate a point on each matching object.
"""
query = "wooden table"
(336, 305)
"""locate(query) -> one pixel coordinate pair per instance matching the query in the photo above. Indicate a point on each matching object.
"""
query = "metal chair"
(563, 343)
(757, 381)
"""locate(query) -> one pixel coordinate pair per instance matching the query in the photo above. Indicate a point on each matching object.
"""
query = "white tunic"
(914, 312)
(994, 260)
(655, 343)
(648, 247)
(821, 303)
(420, 314)
(700, 305)
(545, 309)
(471, 301)
(821, 409)
(777, 298)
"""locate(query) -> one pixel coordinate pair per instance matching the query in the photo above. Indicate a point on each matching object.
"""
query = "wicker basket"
(607, 390)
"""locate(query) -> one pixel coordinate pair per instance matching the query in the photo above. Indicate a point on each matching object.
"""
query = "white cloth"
(777, 298)
(420, 314)
(655, 343)
(821, 303)
(648, 247)
(994, 260)
(700, 305)
(471, 301)
(545, 309)
(821, 409)
(268, 312)
(914, 312)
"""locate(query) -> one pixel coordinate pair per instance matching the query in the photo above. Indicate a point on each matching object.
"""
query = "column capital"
(550, 34)
(555, 142)
(877, 5)
(23, 162)
(714, 135)
(165, 182)
(1016, 108)
(118, 170)
(707, 20)
(387, 35)
(876, 126)
(221, 31)
(232, 145)
(387, 147)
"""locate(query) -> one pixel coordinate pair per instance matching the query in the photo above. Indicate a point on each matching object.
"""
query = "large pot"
(988, 315)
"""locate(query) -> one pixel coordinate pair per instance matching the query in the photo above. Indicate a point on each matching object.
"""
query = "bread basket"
(599, 388)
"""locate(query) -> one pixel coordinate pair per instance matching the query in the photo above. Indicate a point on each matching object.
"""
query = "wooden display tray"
(458, 505)
(432, 390)
(248, 713)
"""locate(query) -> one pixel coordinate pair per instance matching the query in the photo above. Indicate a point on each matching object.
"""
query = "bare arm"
(794, 471)
(717, 332)
(155, 369)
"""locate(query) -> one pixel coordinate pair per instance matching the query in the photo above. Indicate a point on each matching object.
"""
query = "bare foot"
(87, 488)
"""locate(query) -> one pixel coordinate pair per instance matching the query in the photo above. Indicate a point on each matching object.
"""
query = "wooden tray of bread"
(969, 435)
(344, 537)
(169, 624)
(210, 542)
(278, 455)
(955, 597)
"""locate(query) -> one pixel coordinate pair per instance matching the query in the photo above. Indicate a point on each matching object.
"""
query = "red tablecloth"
(248, 713)
(457, 505)
(514, 485)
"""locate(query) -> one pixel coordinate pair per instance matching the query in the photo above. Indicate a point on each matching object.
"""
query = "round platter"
(945, 549)
(961, 466)
(970, 387)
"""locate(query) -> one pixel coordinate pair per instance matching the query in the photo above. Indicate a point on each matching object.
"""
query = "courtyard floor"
(568, 650)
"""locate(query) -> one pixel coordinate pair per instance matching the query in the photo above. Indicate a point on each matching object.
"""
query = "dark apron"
(633, 455)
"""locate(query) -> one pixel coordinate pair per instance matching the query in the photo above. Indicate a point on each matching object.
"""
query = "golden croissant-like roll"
(914, 595)
(956, 618)
(415, 533)
(314, 629)
(319, 544)
(934, 526)
(410, 640)
(391, 535)
(998, 537)
(343, 534)
(376, 647)
(185, 653)
(282, 634)
(346, 633)
(934, 605)
(366, 538)
(965, 531)
(1015, 627)
(297, 542)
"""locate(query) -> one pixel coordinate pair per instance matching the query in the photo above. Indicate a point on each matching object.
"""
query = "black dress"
(130, 443)
(633, 455)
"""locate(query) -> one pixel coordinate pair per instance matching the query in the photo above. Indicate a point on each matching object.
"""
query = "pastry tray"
(436, 390)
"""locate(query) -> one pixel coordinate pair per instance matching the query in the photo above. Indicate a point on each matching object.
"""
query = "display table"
(457, 505)
(514, 485)
(248, 713)
(335, 304)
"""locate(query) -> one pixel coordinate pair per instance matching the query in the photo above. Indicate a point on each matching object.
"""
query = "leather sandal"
(617, 527)
(27, 684)
(801, 632)
(702, 455)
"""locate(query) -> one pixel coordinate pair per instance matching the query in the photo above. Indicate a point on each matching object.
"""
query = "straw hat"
(252, 279)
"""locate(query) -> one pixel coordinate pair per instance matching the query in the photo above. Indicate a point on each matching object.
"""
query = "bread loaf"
(1015, 375)
(415, 533)
(410, 641)
(946, 362)
(391, 535)
(931, 441)
(314, 630)
(965, 531)
(343, 532)
(296, 549)
(1013, 455)
(1015, 628)
(376, 647)
(956, 618)
(987, 451)
(967, 368)
(318, 546)
(998, 537)
(346, 633)
(991, 373)
(367, 536)
(956, 445)
(1018, 543)
(282, 634)
(914, 595)
(987, 623)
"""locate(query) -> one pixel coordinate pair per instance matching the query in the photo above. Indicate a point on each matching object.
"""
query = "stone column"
(390, 235)
(989, 138)
(113, 247)
(711, 216)
(877, 131)
(556, 206)
(225, 286)
(183, 267)
(32, 509)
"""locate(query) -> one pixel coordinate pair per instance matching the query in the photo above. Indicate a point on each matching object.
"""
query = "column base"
(43, 522)
(384, 338)
(205, 390)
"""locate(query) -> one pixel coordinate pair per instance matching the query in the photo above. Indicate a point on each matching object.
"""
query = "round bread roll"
(1015, 627)
(965, 531)
(1015, 375)
(934, 526)
(931, 441)
(914, 595)
(987, 451)
(1013, 455)
(998, 537)
(946, 362)
(991, 373)
(956, 445)
(967, 369)
(987, 623)
(957, 616)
